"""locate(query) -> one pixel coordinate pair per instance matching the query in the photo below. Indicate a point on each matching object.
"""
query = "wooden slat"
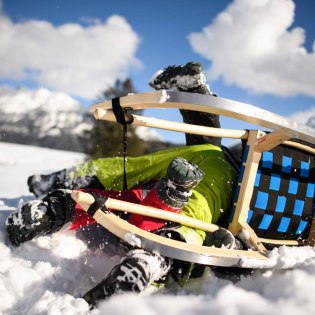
(246, 191)
(270, 141)
(115, 204)
(169, 247)
(300, 146)
(174, 126)
(281, 242)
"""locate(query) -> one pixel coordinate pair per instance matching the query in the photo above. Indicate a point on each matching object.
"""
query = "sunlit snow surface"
(48, 275)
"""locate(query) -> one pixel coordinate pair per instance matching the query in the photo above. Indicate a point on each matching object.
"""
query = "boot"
(175, 188)
(138, 269)
(171, 193)
(40, 217)
(189, 78)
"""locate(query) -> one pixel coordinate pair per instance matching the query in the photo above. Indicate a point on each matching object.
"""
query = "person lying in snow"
(196, 180)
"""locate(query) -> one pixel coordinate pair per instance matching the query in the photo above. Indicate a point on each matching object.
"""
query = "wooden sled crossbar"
(283, 202)
(164, 246)
(108, 115)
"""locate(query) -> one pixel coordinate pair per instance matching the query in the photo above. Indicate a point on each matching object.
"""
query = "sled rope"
(121, 119)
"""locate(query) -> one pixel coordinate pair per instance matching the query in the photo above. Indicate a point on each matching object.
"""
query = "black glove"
(40, 217)
(33, 219)
(222, 238)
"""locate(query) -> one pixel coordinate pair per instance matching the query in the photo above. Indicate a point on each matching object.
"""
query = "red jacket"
(135, 195)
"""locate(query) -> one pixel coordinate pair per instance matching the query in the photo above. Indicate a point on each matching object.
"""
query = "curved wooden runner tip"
(167, 247)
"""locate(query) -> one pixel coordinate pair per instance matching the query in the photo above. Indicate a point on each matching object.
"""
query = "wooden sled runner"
(274, 200)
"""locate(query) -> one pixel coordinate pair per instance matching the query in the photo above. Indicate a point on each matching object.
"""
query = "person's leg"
(201, 119)
(189, 78)
(42, 184)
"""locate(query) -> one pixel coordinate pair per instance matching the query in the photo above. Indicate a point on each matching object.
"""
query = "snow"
(132, 239)
(48, 275)
(18, 162)
(23, 100)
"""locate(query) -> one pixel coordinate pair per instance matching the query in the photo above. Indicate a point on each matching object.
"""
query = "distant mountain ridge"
(56, 120)
(43, 118)
(50, 119)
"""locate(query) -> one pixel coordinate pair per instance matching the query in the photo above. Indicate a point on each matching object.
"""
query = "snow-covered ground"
(48, 275)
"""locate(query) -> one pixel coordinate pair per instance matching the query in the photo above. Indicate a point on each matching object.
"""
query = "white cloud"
(72, 58)
(148, 134)
(251, 45)
(304, 116)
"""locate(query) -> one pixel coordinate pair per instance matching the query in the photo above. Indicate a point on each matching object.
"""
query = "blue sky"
(258, 52)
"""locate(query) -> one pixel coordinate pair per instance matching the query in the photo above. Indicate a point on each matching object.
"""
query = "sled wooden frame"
(164, 246)
(282, 130)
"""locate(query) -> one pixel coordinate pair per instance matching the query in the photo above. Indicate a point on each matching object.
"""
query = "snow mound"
(50, 274)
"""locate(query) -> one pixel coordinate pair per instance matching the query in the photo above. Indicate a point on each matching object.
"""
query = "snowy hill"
(48, 275)
(50, 119)
(42, 118)
(17, 162)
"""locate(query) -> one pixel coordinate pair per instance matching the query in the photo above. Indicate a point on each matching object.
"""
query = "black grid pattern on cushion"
(282, 205)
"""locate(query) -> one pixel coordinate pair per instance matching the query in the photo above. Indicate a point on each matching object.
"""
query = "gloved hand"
(40, 217)
(33, 219)
(222, 238)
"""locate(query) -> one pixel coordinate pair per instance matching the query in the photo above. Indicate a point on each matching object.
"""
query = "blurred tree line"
(106, 138)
